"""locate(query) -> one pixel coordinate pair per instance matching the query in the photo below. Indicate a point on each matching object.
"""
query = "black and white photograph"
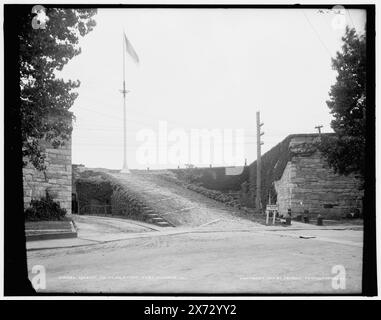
(189, 150)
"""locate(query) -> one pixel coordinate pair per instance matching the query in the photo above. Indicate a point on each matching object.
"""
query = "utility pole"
(259, 143)
(319, 128)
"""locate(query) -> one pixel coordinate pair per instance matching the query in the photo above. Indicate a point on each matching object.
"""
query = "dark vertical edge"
(15, 264)
(369, 276)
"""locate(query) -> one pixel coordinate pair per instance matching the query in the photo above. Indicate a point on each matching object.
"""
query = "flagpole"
(124, 91)
(127, 46)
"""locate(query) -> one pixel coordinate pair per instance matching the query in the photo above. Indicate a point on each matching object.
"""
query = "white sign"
(272, 207)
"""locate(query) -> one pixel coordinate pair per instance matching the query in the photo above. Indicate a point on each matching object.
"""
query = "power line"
(350, 18)
(134, 120)
(317, 34)
(143, 115)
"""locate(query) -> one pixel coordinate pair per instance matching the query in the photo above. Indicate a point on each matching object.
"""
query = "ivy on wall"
(92, 186)
(106, 190)
(273, 165)
(213, 178)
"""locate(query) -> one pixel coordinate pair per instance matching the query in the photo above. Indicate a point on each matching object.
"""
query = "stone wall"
(57, 179)
(284, 187)
(308, 183)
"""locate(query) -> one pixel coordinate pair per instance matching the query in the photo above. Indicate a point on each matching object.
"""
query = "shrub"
(190, 175)
(44, 209)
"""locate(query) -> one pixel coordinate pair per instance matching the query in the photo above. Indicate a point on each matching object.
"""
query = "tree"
(345, 151)
(45, 98)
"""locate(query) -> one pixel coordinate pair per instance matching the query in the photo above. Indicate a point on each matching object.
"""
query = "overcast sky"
(206, 69)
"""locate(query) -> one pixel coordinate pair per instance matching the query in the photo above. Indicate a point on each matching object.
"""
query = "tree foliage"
(345, 151)
(45, 98)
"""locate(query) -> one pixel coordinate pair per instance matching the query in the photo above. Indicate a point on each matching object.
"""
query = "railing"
(95, 209)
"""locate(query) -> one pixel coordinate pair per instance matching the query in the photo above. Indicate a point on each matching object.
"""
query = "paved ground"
(131, 258)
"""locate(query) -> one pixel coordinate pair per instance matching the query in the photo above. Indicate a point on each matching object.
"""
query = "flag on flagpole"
(130, 49)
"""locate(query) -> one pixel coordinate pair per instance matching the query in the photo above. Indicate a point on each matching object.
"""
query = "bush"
(44, 209)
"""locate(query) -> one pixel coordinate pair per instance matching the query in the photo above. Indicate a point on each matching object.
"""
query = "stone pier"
(56, 180)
